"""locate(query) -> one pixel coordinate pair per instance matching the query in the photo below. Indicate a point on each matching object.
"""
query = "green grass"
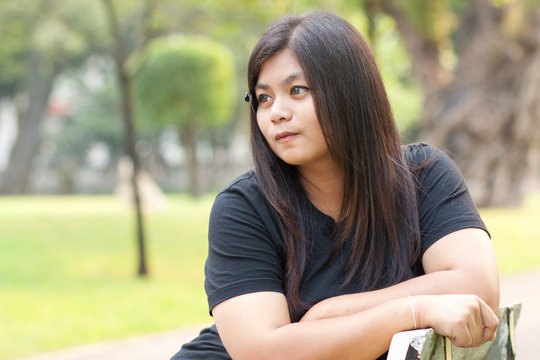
(67, 267)
(515, 233)
(67, 271)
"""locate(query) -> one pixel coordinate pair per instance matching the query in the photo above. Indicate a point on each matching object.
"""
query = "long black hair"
(379, 216)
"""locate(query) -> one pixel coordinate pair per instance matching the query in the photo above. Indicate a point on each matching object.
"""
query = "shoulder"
(431, 165)
(244, 189)
(421, 154)
(242, 202)
(246, 182)
(246, 251)
(444, 201)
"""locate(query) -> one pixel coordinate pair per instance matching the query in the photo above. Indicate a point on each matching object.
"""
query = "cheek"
(262, 128)
(319, 136)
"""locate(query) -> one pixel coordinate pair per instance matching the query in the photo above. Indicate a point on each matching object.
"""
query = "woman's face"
(286, 113)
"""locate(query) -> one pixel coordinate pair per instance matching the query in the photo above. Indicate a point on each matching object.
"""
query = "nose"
(281, 111)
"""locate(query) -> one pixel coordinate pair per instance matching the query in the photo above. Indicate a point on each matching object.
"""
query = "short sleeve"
(444, 202)
(244, 252)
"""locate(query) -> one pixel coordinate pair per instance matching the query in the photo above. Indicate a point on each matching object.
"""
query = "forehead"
(280, 66)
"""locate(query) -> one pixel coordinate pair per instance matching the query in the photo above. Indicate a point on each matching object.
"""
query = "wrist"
(420, 304)
(413, 312)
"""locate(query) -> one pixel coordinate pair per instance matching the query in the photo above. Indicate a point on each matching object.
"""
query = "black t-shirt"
(247, 252)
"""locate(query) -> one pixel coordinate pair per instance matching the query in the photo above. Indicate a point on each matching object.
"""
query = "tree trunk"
(31, 106)
(125, 84)
(487, 115)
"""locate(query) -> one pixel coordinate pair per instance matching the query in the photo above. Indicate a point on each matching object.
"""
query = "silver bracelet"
(412, 310)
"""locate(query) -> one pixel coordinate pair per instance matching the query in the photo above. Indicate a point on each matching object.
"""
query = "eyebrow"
(289, 79)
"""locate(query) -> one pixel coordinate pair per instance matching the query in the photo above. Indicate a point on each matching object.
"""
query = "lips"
(283, 136)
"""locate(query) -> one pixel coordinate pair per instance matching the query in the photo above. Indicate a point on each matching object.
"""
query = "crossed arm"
(360, 326)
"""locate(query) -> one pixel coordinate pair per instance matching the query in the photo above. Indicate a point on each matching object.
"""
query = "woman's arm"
(462, 262)
(257, 326)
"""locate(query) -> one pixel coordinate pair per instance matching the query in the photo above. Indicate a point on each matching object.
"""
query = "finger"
(479, 323)
(462, 338)
(472, 333)
(462, 334)
(471, 324)
(490, 321)
(487, 332)
(476, 328)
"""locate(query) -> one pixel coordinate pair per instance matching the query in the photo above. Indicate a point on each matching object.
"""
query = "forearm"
(440, 282)
(367, 334)
(363, 335)
(462, 262)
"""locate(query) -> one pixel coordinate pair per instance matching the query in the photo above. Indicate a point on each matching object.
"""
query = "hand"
(465, 319)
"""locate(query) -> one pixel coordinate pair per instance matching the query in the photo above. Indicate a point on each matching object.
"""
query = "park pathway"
(524, 288)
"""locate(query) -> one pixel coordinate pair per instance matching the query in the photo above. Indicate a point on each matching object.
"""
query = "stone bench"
(426, 344)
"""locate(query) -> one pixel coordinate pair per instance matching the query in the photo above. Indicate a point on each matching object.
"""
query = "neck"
(324, 188)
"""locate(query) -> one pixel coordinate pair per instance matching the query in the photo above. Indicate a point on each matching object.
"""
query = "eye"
(298, 90)
(262, 98)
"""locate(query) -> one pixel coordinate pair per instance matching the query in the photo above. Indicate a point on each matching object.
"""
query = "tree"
(120, 57)
(91, 122)
(188, 82)
(41, 39)
(483, 107)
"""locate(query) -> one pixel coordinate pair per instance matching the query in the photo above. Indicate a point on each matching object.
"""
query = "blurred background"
(93, 92)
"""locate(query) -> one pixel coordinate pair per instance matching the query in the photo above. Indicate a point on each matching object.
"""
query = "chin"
(292, 161)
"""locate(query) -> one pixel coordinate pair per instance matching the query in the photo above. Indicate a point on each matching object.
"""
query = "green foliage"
(431, 18)
(12, 50)
(55, 40)
(395, 66)
(97, 117)
(93, 120)
(59, 32)
(187, 81)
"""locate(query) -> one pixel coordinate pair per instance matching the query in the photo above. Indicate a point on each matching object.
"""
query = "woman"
(341, 237)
